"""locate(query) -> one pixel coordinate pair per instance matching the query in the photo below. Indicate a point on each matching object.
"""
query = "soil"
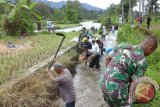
(4, 49)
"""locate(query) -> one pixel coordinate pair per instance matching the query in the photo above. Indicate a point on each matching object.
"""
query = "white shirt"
(112, 27)
(120, 20)
(104, 31)
(49, 24)
(95, 48)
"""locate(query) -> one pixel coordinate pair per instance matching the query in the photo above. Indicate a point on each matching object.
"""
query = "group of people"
(92, 47)
(140, 20)
(124, 64)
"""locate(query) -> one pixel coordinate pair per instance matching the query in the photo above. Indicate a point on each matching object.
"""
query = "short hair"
(151, 40)
(57, 65)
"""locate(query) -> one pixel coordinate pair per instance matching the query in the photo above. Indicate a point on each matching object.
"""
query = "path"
(86, 81)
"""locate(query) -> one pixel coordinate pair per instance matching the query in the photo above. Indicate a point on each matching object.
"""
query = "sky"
(98, 3)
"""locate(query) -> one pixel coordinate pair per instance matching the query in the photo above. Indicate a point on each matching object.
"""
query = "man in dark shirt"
(87, 43)
(148, 22)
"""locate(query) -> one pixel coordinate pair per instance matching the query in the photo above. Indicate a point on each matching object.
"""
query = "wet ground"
(86, 81)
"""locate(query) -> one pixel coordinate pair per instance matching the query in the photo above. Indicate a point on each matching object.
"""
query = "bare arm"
(48, 71)
(109, 57)
(108, 60)
(49, 74)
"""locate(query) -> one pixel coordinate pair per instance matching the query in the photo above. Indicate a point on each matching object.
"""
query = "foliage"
(104, 19)
(126, 6)
(59, 16)
(73, 11)
(91, 14)
(44, 10)
(153, 6)
(113, 9)
(20, 18)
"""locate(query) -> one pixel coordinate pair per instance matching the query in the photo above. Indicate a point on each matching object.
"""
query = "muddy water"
(86, 81)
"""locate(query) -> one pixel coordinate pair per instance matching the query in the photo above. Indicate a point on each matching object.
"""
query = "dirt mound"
(37, 90)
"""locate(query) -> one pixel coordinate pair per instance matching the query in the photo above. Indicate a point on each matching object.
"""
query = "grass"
(129, 35)
(38, 90)
(42, 47)
(61, 26)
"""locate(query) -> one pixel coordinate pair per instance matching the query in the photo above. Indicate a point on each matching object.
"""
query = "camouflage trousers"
(115, 102)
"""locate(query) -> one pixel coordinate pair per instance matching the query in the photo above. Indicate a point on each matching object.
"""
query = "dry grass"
(38, 90)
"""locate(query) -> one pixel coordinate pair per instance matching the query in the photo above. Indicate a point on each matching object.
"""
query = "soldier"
(125, 64)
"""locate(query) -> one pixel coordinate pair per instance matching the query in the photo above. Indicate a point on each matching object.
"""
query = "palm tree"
(122, 2)
(125, 6)
(143, 2)
(153, 5)
(156, 8)
(131, 11)
(140, 4)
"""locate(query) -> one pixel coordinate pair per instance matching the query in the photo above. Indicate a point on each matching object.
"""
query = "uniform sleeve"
(141, 68)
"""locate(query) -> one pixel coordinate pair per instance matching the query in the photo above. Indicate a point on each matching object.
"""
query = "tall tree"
(122, 3)
(140, 6)
(153, 5)
(73, 11)
(130, 11)
(44, 10)
(125, 6)
(143, 2)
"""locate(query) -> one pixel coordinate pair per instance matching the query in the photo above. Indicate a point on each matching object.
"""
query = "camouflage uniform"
(128, 63)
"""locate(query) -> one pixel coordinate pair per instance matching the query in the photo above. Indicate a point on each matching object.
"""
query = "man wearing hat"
(81, 36)
(100, 44)
(86, 42)
(64, 83)
(92, 55)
